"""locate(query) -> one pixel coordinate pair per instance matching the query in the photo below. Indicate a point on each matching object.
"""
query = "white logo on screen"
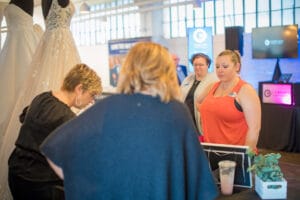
(273, 42)
(199, 35)
(267, 42)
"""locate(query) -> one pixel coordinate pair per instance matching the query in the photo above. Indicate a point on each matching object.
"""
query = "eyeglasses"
(93, 95)
(199, 65)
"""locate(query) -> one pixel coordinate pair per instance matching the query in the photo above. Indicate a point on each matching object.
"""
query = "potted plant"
(269, 180)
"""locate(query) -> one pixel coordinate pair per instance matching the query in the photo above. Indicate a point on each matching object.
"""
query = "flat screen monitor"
(277, 93)
(275, 42)
(218, 152)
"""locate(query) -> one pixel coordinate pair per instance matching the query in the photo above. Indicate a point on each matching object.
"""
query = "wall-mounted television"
(275, 42)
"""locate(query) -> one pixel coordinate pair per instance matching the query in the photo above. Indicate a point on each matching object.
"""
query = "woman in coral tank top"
(231, 111)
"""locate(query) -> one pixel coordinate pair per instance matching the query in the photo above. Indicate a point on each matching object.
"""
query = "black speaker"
(234, 39)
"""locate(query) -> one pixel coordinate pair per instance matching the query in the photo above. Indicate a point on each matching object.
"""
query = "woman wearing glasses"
(30, 176)
(195, 83)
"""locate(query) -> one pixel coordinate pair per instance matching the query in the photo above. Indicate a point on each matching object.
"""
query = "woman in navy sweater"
(139, 144)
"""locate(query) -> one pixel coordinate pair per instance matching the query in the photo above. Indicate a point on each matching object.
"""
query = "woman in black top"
(30, 176)
(195, 83)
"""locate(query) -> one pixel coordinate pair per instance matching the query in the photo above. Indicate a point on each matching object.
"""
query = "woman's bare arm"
(250, 103)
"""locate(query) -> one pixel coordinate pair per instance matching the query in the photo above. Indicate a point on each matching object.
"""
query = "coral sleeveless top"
(221, 120)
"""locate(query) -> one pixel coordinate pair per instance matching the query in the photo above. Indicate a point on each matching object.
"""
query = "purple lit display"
(277, 93)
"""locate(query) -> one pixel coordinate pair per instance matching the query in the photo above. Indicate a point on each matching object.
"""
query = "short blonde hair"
(82, 74)
(235, 56)
(149, 67)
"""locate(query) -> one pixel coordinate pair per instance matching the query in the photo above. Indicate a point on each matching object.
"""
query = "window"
(121, 19)
(107, 21)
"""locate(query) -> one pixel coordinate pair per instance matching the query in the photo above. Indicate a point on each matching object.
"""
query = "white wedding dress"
(55, 55)
(15, 57)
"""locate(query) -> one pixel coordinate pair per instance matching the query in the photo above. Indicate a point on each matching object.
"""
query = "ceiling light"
(84, 8)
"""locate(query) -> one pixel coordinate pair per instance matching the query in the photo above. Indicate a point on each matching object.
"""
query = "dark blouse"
(189, 100)
(44, 114)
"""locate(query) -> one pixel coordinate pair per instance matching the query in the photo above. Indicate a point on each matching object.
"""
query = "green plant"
(266, 167)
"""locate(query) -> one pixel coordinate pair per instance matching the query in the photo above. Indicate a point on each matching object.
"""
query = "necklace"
(225, 90)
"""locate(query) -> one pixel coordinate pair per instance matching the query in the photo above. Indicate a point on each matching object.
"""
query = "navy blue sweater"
(132, 147)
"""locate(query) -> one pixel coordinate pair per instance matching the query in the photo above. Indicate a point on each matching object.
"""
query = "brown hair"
(149, 67)
(82, 74)
(200, 55)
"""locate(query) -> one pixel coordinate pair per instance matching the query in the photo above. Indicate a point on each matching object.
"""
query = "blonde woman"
(139, 144)
(231, 112)
(30, 176)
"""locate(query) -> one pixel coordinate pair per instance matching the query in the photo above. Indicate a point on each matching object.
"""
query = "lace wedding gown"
(15, 57)
(55, 55)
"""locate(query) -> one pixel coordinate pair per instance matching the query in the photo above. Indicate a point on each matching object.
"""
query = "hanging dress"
(15, 57)
(55, 55)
